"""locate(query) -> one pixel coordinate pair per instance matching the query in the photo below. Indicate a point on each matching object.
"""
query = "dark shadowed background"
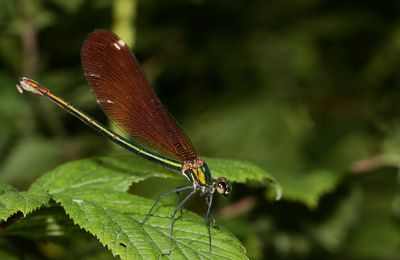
(308, 90)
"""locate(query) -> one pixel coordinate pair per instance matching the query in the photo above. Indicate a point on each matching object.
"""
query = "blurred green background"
(308, 90)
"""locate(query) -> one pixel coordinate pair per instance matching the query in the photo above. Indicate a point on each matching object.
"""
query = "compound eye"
(223, 186)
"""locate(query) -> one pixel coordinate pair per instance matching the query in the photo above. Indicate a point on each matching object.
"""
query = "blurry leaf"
(261, 130)
(70, 6)
(254, 247)
(391, 148)
(33, 14)
(396, 206)
(271, 134)
(11, 103)
(12, 109)
(30, 157)
(8, 9)
(7, 255)
(308, 187)
(294, 51)
(12, 201)
(251, 234)
(43, 19)
(289, 244)
(10, 55)
(376, 239)
(334, 231)
(377, 233)
(385, 59)
(339, 23)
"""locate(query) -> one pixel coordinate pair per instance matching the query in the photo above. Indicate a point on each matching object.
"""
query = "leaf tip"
(278, 190)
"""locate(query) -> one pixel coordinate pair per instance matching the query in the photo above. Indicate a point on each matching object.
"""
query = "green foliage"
(284, 125)
(242, 172)
(93, 194)
(13, 201)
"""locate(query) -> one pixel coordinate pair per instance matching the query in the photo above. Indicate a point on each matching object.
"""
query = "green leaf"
(115, 219)
(242, 172)
(308, 187)
(93, 169)
(91, 172)
(12, 201)
(93, 194)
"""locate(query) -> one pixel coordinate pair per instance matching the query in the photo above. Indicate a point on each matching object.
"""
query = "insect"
(123, 92)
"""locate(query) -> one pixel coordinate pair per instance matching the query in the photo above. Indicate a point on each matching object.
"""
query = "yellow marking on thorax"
(199, 176)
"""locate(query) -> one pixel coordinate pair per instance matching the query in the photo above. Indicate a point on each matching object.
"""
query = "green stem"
(124, 15)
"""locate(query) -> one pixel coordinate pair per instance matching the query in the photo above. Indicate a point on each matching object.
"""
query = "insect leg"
(172, 218)
(163, 195)
(209, 201)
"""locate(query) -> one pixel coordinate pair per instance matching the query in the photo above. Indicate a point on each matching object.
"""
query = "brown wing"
(124, 93)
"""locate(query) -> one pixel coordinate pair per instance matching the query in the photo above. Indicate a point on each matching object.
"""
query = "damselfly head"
(223, 186)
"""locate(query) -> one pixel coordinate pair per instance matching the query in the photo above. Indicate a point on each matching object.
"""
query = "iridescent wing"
(125, 95)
